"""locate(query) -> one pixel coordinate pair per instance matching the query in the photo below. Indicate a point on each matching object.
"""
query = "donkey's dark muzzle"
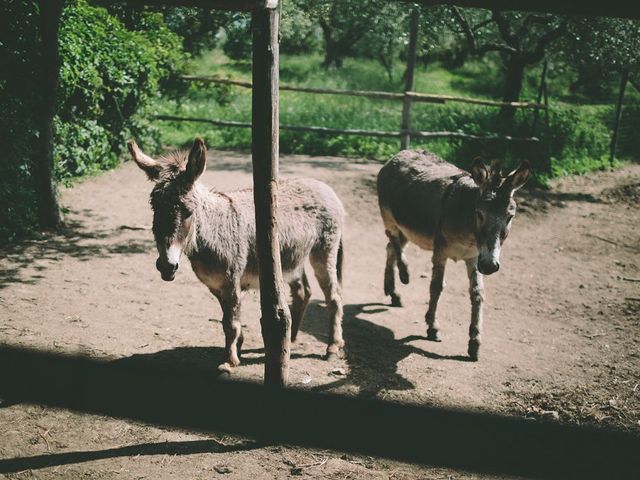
(488, 268)
(167, 271)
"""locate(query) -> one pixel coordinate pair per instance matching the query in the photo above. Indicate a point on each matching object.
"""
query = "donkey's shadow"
(372, 351)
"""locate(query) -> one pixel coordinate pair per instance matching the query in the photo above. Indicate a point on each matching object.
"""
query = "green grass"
(578, 139)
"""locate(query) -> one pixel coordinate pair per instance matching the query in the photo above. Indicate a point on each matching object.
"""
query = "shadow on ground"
(72, 240)
(190, 447)
(372, 351)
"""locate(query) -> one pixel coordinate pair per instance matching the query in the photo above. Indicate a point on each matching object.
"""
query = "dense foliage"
(108, 74)
(18, 100)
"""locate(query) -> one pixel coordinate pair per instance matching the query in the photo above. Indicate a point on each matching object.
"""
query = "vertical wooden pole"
(414, 24)
(276, 319)
(43, 171)
(546, 167)
(536, 112)
(616, 126)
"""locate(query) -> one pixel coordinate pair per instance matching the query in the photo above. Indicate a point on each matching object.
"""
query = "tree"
(599, 49)
(344, 26)
(521, 39)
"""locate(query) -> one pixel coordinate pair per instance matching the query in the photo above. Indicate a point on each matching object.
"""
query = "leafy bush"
(108, 75)
(19, 41)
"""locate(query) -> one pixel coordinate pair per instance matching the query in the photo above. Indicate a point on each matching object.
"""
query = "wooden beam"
(228, 5)
(43, 170)
(612, 8)
(276, 318)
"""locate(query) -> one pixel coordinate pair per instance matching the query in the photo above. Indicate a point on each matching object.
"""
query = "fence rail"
(350, 131)
(407, 97)
(414, 96)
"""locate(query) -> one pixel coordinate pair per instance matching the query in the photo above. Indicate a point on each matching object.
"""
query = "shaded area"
(203, 360)
(73, 240)
(541, 200)
(188, 447)
(456, 439)
(371, 351)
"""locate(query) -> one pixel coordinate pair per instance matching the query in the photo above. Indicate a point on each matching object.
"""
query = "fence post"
(414, 24)
(276, 318)
(536, 112)
(546, 165)
(616, 126)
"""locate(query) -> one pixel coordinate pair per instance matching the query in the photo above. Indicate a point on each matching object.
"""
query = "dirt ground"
(561, 335)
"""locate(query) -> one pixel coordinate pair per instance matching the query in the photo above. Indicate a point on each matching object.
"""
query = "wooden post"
(543, 82)
(44, 180)
(408, 79)
(276, 319)
(546, 166)
(616, 126)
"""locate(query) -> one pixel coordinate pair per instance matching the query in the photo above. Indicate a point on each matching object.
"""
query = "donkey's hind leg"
(300, 294)
(325, 267)
(395, 256)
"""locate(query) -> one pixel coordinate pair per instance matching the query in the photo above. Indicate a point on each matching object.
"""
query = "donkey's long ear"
(518, 177)
(479, 172)
(145, 162)
(197, 160)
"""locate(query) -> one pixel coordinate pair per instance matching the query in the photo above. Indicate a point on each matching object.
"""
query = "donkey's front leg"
(476, 292)
(230, 303)
(439, 261)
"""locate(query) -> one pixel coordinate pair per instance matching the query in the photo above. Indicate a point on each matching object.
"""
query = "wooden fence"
(405, 133)
(407, 98)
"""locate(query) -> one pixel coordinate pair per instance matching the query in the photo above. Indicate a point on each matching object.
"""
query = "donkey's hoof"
(434, 335)
(334, 353)
(225, 367)
(473, 350)
(396, 301)
(404, 276)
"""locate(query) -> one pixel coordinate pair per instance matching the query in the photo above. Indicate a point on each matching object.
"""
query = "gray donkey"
(217, 233)
(457, 215)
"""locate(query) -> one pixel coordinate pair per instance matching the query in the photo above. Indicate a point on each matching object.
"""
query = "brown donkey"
(217, 233)
(457, 215)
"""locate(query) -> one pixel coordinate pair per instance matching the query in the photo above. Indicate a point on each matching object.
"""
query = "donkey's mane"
(172, 164)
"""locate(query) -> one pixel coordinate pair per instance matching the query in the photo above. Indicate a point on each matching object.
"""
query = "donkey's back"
(411, 189)
(311, 219)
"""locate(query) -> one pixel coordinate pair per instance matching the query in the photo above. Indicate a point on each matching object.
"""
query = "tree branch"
(505, 30)
(466, 27)
(471, 39)
(538, 53)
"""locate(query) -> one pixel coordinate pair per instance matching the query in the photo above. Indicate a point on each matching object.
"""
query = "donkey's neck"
(212, 213)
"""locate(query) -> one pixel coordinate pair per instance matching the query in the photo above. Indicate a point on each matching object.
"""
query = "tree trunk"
(43, 171)
(276, 319)
(332, 50)
(514, 77)
(332, 55)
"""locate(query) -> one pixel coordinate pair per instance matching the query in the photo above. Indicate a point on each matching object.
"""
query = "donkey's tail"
(340, 261)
